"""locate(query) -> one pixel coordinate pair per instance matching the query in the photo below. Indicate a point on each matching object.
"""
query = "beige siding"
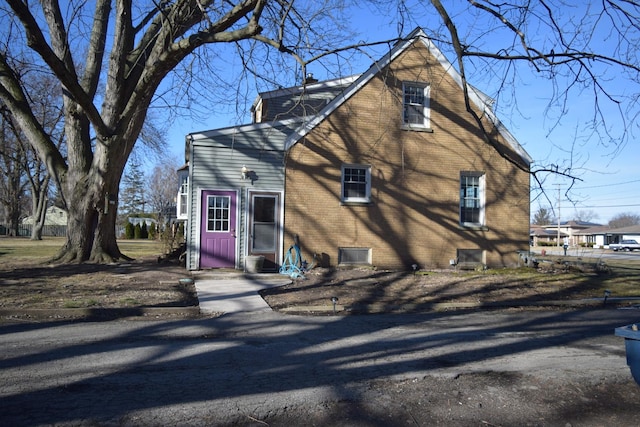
(414, 215)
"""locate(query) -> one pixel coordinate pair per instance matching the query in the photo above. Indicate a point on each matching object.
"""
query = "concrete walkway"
(234, 292)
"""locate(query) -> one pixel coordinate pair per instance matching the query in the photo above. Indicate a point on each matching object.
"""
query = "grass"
(620, 276)
(129, 302)
(571, 277)
(23, 248)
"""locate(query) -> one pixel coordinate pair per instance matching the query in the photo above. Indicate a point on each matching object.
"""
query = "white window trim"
(184, 185)
(426, 112)
(226, 221)
(367, 198)
(481, 196)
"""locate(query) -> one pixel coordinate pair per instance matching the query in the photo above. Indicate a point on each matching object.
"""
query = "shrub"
(144, 233)
(137, 231)
(180, 233)
(129, 231)
(152, 231)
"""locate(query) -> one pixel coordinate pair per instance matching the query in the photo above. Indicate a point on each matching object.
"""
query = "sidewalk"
(234, 292)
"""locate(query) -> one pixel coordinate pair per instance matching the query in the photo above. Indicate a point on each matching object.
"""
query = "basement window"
(354, 256)
(471, 258)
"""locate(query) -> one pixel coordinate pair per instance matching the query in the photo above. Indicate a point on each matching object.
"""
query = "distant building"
(570, 229)
(136, 221)
(54, 216)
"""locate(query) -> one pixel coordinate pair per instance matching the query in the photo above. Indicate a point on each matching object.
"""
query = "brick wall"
(414, 214)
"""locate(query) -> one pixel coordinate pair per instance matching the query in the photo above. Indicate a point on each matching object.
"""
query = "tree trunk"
(92, 204)
(90, 230)
(13, 210)
(39, 192)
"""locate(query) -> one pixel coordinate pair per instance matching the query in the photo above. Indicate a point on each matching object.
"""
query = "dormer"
(297, 102)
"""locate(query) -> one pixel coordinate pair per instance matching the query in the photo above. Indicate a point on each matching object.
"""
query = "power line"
(608, 206)
(607, 185)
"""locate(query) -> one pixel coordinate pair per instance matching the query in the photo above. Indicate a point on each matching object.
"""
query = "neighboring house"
(631, 232)
(541, 235)
(602, 236)
(384, 169)
(597, 236)
(54, 216)
(573, 229)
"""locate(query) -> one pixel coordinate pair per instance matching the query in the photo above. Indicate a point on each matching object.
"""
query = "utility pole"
(558, 215)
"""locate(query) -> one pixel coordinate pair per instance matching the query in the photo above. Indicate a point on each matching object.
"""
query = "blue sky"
(610, 177)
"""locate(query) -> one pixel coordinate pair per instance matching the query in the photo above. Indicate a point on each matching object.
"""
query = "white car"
(625, 245)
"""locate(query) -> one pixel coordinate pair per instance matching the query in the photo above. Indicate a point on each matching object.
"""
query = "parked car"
(625, 245)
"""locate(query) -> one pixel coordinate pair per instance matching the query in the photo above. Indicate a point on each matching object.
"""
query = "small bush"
(152, 231)
(129, 231)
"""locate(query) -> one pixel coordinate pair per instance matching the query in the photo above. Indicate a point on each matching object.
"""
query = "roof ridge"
(480, 99)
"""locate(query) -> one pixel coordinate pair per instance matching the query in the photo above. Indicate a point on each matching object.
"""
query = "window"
(472, 198)
(264, 224)
(470, 258)
(356, 183)
(415, 105)
(182, 196)
(354, 255)
(218, 209)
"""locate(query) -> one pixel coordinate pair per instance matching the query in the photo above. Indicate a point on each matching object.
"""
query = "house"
(573, 230)
(615, 235)
(540, 235)
(384, 169)
(602, 236)
(53, 216)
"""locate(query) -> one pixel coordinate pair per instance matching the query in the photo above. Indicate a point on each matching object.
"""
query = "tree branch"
(465, 88)
(66, 75)
(12, 94)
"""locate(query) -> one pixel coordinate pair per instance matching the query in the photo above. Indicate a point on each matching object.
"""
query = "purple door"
(218, 229)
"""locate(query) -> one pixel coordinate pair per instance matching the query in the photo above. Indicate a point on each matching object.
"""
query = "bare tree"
(624, 220)
(163, 188)
(13, 185)
(140, 48)
(45, 99)
(586, 215)
(542, 216)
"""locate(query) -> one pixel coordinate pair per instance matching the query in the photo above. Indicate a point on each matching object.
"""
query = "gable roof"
(298, 101)
(323, 87)
(573, 224)
(480, 100)
(264, 136)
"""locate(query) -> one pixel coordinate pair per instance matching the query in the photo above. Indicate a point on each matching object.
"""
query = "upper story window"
(472, 198)
(415, 102)
(356, 183)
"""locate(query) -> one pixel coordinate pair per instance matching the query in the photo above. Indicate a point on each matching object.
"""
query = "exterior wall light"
(245, 172)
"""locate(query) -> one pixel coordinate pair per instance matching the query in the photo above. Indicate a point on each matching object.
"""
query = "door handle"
(233, 232)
